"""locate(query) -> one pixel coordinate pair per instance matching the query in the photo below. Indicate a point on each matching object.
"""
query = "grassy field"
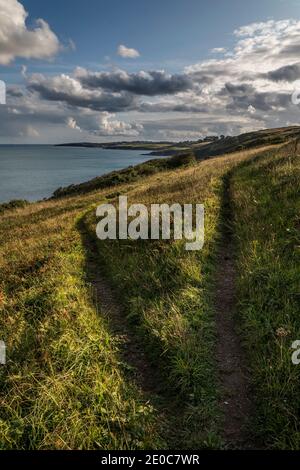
(267, 223)
(66, 386)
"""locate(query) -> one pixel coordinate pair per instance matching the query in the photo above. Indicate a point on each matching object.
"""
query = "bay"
(34, 172)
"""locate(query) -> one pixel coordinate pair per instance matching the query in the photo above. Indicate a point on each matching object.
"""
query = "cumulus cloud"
(72, 124)
(228, 84)
(218, 50)
(16, 40)
(263, 46)
(103, 124)
(70, 91)
(151, 83)
(257, 75)
(251, 109)
(28, 118)
(127, 52)
(14, 91)
(288, 73)
(240, 96)
(248, 88)
(109, 126)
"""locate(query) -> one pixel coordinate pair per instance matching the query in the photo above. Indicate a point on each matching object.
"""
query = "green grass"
(168, 296)
(127, 175)
(14, 204)
(66, 386)
(266, 202)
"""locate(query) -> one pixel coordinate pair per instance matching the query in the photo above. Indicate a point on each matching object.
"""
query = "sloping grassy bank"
(168, 293)
(127, 175)
(266, 204)
(64, 386)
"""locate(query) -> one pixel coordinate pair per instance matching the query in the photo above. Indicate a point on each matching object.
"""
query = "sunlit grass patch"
(267, 206)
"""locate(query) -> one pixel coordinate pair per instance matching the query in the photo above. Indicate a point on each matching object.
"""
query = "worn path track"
(233, 375)
(145, 374)
(235, 400)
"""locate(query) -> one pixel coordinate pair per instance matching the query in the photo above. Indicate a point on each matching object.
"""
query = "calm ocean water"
(33, 172)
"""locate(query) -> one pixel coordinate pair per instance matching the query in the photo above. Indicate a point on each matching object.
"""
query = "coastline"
(35, 172)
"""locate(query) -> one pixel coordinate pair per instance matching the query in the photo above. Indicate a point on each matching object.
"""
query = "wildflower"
(282, 332)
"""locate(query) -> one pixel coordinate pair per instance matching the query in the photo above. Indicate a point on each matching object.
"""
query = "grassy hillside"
(127, 175)
(266, 203)
(210, 146)
(64, 385)
(183, 157)
(247, 141)
(70, 383)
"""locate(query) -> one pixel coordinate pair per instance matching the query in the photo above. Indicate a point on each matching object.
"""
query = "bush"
(14, 204)
(182, 160)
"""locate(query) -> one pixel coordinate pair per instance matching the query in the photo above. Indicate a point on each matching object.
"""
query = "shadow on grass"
(142, 363)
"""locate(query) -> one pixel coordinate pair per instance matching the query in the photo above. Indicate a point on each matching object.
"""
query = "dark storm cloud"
(289, 73)
(14, 92)
(291, 50)
(151, 83)
(97, 102)
(201, 78)
(175, 107)
(243, 95)
(237, 90)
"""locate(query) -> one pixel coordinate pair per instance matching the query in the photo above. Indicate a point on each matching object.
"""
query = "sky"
(137, 70)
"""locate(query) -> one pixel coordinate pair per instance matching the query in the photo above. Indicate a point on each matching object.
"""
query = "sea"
(34, 172)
